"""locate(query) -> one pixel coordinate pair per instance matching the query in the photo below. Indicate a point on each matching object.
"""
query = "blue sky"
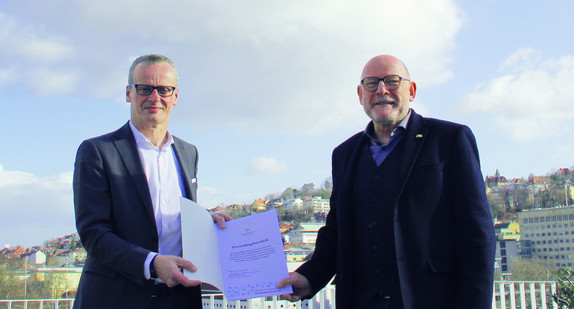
(268, 88)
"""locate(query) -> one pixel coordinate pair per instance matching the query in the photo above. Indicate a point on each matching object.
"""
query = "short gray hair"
(150, 59)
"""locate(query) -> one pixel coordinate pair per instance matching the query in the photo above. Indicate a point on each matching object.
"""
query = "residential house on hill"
(293, 203)
(496, 180)
(507, 230)
(305, 234)
(260, 204)
(319, 204)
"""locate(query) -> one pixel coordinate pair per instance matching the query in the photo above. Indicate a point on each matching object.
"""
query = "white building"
(293, 203)
(551, 232)
(36, 258)
(318, 204)
(306, 233)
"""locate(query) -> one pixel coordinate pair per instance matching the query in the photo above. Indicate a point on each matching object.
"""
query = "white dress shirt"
(166, 186)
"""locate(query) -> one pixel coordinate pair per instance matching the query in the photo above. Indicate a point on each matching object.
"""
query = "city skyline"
(268, 90)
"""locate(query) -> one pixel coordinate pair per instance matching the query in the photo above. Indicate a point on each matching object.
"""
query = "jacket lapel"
(412, 144)
(127, 148)
(187, 161)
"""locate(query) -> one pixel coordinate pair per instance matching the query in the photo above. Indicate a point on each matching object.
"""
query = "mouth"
(383, 103)
(153, 108)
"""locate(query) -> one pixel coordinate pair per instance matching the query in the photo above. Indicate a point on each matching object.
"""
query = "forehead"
(384, 67)
(161, 72)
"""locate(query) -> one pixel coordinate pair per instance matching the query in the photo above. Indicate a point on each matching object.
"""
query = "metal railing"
(507, 295)
(524, 295)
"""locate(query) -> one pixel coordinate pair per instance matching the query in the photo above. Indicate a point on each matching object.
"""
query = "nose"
(382, 88)
(154, 96)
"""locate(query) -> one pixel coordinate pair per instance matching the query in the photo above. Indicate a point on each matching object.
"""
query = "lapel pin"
(419, 136)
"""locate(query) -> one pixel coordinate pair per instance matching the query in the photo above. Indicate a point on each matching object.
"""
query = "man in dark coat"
(127, 187)
(409, 225)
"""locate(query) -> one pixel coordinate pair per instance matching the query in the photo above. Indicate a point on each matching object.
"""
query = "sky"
(268, 88)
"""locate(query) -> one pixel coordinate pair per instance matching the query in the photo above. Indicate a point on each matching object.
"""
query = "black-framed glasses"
(145, 90)
(392, 82)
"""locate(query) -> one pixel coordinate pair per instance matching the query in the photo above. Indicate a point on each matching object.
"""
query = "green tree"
(564, 295)
(531, 269)
(12, 278)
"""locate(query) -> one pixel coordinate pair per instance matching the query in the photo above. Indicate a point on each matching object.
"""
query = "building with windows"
(319, 204)
(305, 234)
(551, 234)
(506, 251)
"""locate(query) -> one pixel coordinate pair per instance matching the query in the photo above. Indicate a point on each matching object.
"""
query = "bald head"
(386, 103)
(384, 65)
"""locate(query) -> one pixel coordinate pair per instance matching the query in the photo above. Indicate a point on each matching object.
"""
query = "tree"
(328, 184)
(308, 188)
(288, 194)
(12, 286)
(531, 270)
(564, 295)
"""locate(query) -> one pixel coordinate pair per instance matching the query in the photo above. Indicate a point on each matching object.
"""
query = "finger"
(183, 280)
(285, 282)
(183, 263)
(217, 218)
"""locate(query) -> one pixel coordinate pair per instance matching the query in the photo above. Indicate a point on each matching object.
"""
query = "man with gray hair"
(127, 186)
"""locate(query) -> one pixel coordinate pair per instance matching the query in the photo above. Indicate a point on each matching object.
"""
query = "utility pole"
(26, 277)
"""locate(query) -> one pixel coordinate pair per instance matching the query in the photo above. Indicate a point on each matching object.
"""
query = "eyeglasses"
(145, 90)
(392, 82)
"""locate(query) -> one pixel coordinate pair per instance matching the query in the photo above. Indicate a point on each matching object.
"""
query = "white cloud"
(289, 66)
(34, 208)
(294, 66)
(30, 43)
(266, 165)
(523, 59)
(47, 83)
(33, 55)
(533, 101)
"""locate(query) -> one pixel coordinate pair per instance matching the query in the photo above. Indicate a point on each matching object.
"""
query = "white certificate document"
(244, 260)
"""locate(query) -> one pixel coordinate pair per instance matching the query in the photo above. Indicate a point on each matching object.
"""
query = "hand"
(168, 269)
(220, 219)
(300, 284)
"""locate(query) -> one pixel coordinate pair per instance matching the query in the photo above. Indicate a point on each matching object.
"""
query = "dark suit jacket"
(443, 228)
(115, 219)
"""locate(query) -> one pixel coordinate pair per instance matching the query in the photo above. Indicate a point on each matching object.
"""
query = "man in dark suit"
(127, 186)
(409, 225)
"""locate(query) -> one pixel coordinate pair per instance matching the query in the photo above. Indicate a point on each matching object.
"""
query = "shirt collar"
(370, 130)
(142, 141)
